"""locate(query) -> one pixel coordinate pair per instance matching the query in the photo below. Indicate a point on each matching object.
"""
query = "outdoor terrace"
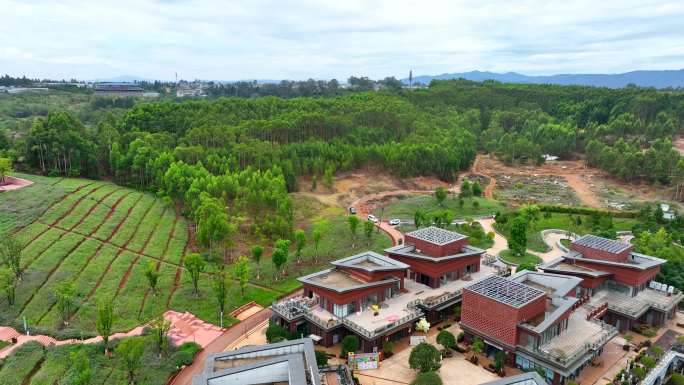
(393, 312)
(637, 305)
(581, 337)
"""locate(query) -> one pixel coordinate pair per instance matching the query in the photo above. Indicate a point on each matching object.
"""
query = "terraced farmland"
(102, 236)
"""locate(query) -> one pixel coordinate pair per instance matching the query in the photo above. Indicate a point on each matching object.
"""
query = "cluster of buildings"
(550, 323)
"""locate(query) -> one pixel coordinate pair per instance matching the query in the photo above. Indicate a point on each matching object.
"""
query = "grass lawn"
(562, 221)
(565, 242)
(34, 364)
(507, 256)
(406, 206)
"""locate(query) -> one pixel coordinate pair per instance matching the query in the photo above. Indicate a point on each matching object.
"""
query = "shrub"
(350, 344)
(425, 358)
(446, 339)
(639, 372)
(586, 211)
(181, 358)
(461, 337)
(677, 379)
(277, 333)
(321, 358)
(648, 361)
(190, 347)
(427, 378)
(388, 348)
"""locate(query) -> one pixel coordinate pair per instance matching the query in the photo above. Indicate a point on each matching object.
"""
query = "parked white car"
(372, 218)
(395, 222)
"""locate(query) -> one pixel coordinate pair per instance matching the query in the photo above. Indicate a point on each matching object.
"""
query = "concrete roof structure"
(410, 251)
(340, 281)
(436, 235)
(288, 362)
(555, 285)
(506, 291)
(634, 260)
(370, 261)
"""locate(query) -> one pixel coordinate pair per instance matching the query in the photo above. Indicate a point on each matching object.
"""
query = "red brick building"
(534, 318)
(422, 278)
(439, 259)
(615, 276)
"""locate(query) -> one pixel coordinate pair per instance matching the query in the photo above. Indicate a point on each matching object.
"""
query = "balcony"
(582, 336)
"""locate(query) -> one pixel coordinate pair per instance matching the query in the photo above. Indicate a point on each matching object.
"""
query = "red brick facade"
(625, 275)
(495, 319)
(600, 254)
(437, 269)
(348, 297)
(436, 250)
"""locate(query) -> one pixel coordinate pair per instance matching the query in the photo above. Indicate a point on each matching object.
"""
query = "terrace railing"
(608, 332)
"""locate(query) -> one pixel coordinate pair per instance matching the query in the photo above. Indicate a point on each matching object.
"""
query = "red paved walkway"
(220, 344)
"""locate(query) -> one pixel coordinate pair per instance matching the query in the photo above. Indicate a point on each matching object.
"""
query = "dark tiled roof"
(603, 244)
(506, 291)
(436, 235)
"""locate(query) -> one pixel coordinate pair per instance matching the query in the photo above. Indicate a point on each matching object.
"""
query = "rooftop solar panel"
(603, 244)
(436, 236)
(506, 291)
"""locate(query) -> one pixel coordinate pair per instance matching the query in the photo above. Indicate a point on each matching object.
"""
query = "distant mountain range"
(657, 79)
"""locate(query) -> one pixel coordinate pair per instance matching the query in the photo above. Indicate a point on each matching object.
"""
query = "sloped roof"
(506, 291)
(604, 244)
(436, 236)
(370, 261)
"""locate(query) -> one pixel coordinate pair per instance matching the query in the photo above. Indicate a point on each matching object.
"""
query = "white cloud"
(298, 39)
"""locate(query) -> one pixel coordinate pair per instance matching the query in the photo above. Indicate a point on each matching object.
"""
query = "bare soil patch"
(351, 186)
(590, 186)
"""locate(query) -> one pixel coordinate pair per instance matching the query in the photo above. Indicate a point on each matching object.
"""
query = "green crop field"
(101, 237)
(35, 364)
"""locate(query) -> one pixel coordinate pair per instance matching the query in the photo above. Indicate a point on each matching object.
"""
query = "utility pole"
(410, 79)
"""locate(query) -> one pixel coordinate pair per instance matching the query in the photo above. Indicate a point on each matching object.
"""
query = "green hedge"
(586, 211)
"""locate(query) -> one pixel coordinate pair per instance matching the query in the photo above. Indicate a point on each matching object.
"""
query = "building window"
(342, 310)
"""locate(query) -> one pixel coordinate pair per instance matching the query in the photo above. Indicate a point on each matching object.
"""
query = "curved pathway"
(184, 327)
(551, 239)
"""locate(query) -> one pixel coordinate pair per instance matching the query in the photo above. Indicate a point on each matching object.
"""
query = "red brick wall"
(599, 254)
(495, 319)
(437, 269)
(352, 296)
(436, 250)
(624, 275)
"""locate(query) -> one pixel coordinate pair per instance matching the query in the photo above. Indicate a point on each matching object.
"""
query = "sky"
(288, 39)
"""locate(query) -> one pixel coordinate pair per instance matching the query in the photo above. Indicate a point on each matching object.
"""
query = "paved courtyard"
(455, 370)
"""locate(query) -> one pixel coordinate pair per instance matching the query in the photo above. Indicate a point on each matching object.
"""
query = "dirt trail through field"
(574, 172)
(477, 169)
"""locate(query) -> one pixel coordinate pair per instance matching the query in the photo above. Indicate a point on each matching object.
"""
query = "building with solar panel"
(618, 280)
(537, 320)
(381, 297)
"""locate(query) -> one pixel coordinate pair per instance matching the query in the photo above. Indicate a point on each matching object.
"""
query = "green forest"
(229, 162)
